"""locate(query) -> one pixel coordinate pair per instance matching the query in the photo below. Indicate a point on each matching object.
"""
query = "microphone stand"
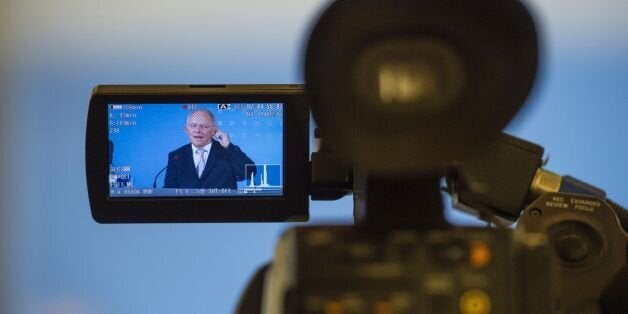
(157, 176)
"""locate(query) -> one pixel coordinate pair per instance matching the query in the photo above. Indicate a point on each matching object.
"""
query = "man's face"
(200, 128)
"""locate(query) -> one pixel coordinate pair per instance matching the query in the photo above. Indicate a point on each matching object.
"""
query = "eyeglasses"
(203, 127)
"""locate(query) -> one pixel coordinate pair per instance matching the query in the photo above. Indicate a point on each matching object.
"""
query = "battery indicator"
(116, 107)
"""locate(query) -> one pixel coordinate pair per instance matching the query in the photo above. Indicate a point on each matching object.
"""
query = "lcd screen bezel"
(291, 206)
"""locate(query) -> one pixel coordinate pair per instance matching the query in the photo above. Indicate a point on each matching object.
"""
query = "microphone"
(157, 176)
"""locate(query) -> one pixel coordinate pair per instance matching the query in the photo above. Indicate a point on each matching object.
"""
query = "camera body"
(458, 270)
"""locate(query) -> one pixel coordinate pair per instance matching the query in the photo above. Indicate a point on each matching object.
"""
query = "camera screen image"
(195, 149)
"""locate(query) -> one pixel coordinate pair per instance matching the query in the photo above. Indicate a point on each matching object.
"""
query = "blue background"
(56, 259)
(159, 130)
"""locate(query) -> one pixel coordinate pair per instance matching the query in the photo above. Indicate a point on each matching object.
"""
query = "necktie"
(201, 162)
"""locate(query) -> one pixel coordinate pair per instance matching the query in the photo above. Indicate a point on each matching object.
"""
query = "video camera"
(404, 94)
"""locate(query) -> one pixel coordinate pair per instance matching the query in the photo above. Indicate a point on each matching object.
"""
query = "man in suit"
(210, 160)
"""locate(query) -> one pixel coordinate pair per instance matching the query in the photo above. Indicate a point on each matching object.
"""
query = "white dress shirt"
(197, 157)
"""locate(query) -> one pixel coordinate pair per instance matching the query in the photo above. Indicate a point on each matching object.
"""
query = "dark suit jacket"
(223, 168)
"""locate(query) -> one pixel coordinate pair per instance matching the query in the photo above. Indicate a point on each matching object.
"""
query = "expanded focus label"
(585, 205)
